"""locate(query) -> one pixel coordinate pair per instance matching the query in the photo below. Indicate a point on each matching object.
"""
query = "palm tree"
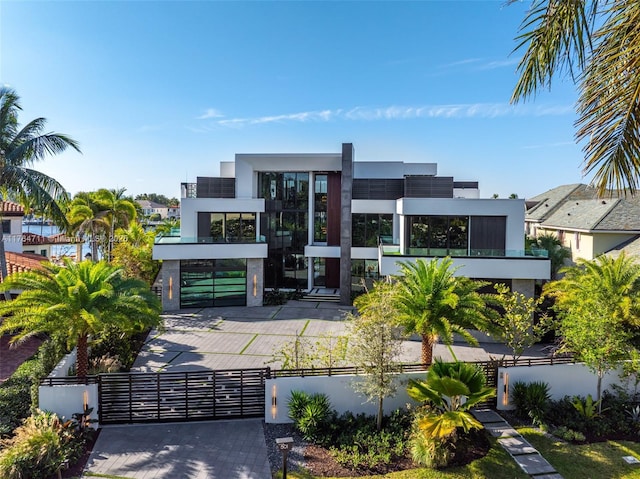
(435, 304)
(451, 389)
(86, 215)
(119, 212)
(598, 303)
(597, 43)
(77, 300)
(558, 253)
(19, 149)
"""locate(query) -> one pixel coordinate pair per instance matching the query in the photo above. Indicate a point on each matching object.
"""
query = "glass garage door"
(211, 283)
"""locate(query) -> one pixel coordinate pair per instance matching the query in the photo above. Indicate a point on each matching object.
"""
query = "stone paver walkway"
(525, 455)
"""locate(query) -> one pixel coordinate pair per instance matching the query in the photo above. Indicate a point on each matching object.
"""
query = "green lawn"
(588, 461)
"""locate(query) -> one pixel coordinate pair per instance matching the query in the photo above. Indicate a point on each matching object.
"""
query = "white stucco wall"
(339, 390)
(563, 380)
(69, 399)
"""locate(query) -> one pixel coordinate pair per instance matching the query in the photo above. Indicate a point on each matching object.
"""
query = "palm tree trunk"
(82, 359)
(427, 349)
(94, 244)
(3, 262)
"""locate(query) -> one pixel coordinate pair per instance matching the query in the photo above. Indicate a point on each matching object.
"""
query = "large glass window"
(363, 273)
(6, 227)
(320, 209)
(438, 235)
(285, 225)
(368, 229)
(209, 283)
(226, 227)
(292, 189)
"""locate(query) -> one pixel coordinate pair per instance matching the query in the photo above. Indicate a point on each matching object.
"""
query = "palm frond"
(609, 104)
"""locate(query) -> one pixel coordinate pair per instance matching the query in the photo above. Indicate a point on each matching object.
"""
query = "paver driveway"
(226, 338)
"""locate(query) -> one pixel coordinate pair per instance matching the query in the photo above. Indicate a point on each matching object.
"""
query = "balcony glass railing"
(176, 239)
(394, 250)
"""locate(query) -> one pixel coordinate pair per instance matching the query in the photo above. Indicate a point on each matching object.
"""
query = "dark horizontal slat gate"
(181, 396)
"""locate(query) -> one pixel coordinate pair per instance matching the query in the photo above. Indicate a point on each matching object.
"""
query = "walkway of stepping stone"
(525, 455)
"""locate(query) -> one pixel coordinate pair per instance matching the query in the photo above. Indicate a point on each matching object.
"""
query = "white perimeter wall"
(69, 399)
(339, 390)
(66, 400)
(563, 380)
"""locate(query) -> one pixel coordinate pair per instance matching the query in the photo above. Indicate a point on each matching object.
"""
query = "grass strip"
(304, 328)
(248, 344)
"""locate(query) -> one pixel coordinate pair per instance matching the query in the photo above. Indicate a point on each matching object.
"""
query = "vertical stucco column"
(255, 281)
(170, 285)
(345, 223)
(524, 286)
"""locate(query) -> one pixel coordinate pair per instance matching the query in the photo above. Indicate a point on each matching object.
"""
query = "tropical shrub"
(531, 400)
(355, 442)
(39, 448)
(587, 408)
(569, 435)
(311, 414)
(449, 392)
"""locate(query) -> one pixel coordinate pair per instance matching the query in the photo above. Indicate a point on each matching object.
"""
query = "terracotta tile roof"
(17, 262)
(9, 208)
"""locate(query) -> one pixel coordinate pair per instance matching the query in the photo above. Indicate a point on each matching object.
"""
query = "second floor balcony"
(178, 247)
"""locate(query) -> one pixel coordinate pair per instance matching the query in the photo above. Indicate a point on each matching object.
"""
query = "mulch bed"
(320, 463)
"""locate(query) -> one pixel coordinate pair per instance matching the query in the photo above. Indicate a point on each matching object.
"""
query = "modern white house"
(324, 221)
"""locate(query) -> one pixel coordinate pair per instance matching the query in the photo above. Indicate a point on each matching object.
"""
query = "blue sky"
(158, 92)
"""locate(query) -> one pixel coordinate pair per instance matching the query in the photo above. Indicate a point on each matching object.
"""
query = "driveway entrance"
(200, 450)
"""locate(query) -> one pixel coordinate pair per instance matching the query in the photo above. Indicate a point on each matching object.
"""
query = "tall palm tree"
(598, 44)
(119, 212)
(20, 147)
(85, 215)
(435, 304)
(77, 301)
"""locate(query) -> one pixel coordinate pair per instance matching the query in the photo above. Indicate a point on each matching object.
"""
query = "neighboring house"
(51, 247)
(305, 221)
(11, 215)
(17, 260)
(151, 207)
(589, 226)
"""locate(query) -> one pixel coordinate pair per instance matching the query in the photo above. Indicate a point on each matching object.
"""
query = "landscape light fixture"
(284, 444)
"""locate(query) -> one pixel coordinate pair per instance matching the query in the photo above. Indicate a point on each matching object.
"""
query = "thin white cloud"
(210, 113)
(477, 64)
(396, 112)
(498, 64)
(466, 61)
